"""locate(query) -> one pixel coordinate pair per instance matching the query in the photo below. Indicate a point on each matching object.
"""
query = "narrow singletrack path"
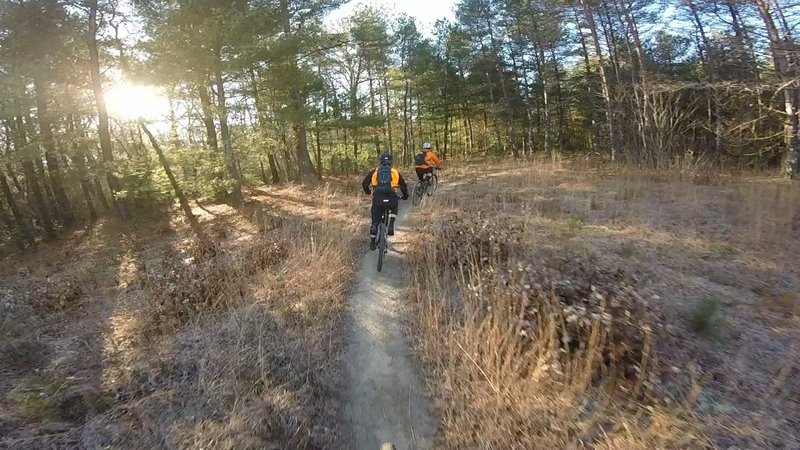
(385, 400)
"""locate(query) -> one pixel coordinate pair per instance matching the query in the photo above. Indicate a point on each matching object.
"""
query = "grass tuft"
(706, 317)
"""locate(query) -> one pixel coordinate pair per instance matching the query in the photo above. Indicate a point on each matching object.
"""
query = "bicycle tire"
(416, 198)
(381, 245)
(434, 183)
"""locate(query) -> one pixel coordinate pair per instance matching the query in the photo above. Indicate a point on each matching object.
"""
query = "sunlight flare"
(132, 102)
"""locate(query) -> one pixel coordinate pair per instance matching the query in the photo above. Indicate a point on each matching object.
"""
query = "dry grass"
(557, 308)
(167, 343)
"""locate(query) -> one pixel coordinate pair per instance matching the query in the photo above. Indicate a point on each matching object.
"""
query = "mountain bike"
(425, 187)
(382, 238)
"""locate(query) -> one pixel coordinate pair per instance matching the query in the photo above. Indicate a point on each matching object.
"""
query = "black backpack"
(420, 159)
(384, 179)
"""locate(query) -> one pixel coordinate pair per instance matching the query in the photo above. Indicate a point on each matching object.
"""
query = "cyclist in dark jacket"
(382, 183)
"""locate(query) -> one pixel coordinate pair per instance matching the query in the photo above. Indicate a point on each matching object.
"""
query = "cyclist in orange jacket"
(426, 161)
(383, 182)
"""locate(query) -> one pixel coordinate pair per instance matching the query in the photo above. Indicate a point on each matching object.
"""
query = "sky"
(425, 11)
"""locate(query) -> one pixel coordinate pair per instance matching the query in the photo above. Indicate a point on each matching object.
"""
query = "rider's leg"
(392, 216)
(420, 173)
(376, 211)
(433, 174)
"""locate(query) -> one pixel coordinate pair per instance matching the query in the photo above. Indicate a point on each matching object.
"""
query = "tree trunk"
(53, 166)
(222, 108)
(9, 167)
(40, 205)
(263, 172)
(298, 106)
(187, 210)
(388, 116)
(273, 168)
(706, 56)
(541, 63)
(102, 114)
(506, 96)
(78, 160)
(641, 58)
(10, 226)
(781, 60)
(318, 155)
(609, 112)
(492, 101)
(208, 117)
(406, 128)
(559, 101)
(446, 135)
(22, 223)
(589, 83)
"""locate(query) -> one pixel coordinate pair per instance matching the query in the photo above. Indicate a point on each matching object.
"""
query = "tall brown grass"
(533, 323)
(231, 343)
(509, 380)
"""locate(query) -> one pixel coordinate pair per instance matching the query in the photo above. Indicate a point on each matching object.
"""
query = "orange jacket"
(371, 181)
(431, 160)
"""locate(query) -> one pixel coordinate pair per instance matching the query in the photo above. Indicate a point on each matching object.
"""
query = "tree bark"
(10, 226)
(273, 168)
(388, 116)
(541, 63)
(406, 127)
(102, 114)
(781, 59)
(298, 106)
(318, 155)
(208, 117)
(79, 161)
(53, 166)
(706, 56)
(187, 210)
(588, 14)
(222, 109)
(263, 172)
(22, 223)
(40, 205)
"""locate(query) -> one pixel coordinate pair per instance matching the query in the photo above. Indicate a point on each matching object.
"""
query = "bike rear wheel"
(382, 236)
(381, 245)
(419, 191)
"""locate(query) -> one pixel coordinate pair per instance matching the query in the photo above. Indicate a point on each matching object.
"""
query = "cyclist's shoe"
(372, 244)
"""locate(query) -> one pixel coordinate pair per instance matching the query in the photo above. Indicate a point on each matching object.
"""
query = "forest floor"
(556, 306)
(560, 306)
(133, 336)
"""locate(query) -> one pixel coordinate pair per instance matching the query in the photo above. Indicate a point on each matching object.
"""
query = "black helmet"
(385, 158)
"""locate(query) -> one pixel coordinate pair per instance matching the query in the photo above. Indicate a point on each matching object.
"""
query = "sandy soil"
(385, 399)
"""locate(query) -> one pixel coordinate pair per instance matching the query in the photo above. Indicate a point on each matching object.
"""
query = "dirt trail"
(385, 398)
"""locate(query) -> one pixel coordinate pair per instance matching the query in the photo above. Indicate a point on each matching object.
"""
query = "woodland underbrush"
(564, 308)
(139, 336)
